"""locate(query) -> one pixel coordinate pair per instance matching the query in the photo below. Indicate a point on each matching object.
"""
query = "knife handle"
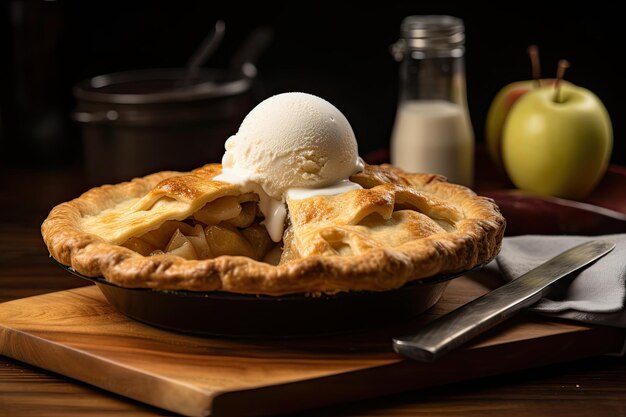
(454, 329)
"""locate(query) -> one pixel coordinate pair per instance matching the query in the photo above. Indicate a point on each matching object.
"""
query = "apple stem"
(533, 54)
(560, 72)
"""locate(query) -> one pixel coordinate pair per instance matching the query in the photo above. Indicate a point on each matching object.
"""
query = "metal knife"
(457, 327)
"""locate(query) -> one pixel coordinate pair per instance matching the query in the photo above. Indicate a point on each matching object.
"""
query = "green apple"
(557, 144)
(499, 110)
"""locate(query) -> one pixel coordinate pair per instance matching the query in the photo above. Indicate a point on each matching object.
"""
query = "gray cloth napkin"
(595, 295)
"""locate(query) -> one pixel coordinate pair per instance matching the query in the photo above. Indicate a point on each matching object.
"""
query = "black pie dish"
(226, 314)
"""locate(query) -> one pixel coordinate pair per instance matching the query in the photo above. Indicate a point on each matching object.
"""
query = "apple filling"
(226, 226)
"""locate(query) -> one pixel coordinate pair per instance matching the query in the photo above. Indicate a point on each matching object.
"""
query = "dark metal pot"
(138, 122)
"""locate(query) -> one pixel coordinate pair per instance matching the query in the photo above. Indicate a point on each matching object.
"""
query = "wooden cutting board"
(77, 333)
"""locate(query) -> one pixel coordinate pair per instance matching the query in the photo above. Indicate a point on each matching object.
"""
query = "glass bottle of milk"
(432, 131)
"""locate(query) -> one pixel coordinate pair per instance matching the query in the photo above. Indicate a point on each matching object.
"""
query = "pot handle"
(95, 117)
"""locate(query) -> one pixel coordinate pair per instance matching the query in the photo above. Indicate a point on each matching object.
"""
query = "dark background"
(337, 51)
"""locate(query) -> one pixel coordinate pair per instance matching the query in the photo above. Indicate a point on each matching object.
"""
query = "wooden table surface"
(591, 387)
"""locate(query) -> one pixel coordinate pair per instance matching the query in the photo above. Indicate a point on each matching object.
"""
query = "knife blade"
(459, 326)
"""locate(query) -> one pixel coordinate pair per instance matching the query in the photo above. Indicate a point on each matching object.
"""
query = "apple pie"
(186, 231)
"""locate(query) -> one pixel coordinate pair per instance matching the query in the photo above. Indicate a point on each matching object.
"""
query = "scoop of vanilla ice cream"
(293, 144)
(293, 140)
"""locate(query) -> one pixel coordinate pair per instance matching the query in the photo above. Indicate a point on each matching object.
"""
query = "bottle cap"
(432, 32)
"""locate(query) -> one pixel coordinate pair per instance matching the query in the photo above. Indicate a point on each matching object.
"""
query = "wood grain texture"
(590, 387)
(77, 333)
(569, 389)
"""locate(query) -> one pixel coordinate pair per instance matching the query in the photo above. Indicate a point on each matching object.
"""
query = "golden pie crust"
(400, 227)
